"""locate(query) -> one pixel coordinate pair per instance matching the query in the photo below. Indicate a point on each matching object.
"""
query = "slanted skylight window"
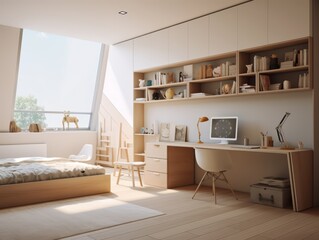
(57, 74)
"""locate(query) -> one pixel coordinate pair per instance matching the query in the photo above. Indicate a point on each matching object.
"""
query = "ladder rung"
(103, 155)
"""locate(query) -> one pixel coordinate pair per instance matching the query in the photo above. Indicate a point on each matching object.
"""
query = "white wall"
(118, 86)
(59, 144)
(256, 113)
(9, 60)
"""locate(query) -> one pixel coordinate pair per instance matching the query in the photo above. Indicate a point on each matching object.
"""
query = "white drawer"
(156, 165)
(156, 150)
(155, 179)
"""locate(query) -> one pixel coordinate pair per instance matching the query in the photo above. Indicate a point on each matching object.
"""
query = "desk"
(174, 164)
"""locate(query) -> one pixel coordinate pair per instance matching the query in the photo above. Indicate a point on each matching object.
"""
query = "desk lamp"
(201, 119)
(280, 133)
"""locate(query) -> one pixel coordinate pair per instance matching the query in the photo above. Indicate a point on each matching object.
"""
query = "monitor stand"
(223, 142)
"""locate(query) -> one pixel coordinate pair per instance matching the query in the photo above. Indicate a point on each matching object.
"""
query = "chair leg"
(213, 186)
(139, 176)
(118, 177)
(133, 178)
(114, 170)
(230, 186)
(199, 184)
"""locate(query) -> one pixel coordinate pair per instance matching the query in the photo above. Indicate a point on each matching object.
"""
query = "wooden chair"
(123, 160)
(215, 163)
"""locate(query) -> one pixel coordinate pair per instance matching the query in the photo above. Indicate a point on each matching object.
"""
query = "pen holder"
(266, 141)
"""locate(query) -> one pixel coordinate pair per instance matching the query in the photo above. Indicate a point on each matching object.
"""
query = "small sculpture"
(249, 68)
(67, 118)
(217, 72)
(14, 127)
(142, 83)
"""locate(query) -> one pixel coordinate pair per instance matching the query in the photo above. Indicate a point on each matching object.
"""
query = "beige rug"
(70, 217)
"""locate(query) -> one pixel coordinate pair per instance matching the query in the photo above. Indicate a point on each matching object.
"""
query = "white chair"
(214, 162)
(85, 154)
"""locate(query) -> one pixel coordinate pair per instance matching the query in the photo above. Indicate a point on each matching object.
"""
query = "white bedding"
(20, 170)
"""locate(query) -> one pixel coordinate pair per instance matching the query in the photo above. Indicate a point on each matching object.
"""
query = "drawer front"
(155, 179)
(156, 165)
(155, 150)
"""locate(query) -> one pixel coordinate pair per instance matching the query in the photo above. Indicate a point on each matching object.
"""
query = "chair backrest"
(213, 160)
(85, 154)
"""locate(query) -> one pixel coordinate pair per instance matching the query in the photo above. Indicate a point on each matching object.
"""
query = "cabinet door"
(252, 24)
(159, 54)
(198, 36)
(288, 19)
(223, 31)
(142, 50)
(178, 43)
(151, 50)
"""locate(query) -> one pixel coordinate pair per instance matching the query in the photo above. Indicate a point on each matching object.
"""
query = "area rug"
(54, 220)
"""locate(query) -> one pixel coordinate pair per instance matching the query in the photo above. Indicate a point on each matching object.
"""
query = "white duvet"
(20, 170)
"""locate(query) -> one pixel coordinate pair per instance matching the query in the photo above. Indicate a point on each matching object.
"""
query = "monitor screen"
(224, 129)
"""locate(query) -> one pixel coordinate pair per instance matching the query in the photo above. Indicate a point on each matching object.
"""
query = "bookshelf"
(236, 82)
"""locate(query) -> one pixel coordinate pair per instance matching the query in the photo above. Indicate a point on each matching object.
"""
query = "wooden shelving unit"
(104, 150)
(214, 87)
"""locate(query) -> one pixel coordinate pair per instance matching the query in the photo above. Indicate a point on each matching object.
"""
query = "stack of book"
(275, 181)
(245, 88)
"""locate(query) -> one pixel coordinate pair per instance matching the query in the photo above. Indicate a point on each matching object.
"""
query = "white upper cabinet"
(151, 50)
(198, 38)
(178, 43)
(223, 31)
(288, 19)
(252, 24)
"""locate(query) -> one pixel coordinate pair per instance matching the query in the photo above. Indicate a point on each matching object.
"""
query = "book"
(264, 82)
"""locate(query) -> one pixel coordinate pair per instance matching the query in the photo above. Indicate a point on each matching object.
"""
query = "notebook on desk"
(245, 146)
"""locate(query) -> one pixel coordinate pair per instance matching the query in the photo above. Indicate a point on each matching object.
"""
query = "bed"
(26, 180)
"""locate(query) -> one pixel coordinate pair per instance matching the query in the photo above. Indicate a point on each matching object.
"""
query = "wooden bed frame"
(12, 195)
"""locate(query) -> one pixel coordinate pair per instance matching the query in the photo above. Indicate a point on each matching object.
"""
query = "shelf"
(285, 90)
(284, 70)
(143, 134)
(176, 84)
(140, 154)
(216, 79)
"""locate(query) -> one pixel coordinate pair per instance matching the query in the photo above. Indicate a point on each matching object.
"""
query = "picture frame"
(167, 132)
(180, 133)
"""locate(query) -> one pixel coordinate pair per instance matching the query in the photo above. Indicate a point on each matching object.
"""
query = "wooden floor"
(200, 219)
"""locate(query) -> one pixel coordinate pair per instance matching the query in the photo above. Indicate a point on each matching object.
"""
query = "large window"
(57, 74)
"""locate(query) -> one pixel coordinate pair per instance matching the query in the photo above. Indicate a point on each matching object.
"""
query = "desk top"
(231, 147)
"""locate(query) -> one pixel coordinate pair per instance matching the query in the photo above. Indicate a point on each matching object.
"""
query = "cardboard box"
(271, 196)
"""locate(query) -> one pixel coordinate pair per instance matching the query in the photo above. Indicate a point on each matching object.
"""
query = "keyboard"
(245, 146)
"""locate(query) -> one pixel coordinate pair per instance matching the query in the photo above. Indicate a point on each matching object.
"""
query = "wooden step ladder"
(104, 150)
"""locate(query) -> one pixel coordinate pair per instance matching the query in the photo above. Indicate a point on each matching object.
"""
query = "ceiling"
(98, 20)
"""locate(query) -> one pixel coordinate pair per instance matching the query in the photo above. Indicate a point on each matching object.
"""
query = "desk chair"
(214, 162)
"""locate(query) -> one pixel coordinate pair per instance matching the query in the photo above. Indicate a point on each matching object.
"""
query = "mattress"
(21, 170)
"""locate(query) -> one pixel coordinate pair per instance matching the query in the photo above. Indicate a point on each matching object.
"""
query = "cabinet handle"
(157, 145)
(156, 174)
(156, 160)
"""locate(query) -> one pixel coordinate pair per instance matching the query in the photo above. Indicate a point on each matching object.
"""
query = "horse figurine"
(68, 119)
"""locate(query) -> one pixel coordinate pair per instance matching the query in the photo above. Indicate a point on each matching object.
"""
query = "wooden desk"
(300, 166)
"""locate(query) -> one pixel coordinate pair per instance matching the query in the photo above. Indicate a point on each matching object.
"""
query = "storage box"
(269, 195)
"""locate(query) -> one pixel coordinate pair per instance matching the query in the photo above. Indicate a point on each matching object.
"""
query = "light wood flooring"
(200, 219)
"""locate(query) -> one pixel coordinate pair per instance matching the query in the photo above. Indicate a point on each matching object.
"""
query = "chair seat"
(131, 165)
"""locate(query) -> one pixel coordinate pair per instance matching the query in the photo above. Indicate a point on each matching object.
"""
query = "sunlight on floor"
(89, 205)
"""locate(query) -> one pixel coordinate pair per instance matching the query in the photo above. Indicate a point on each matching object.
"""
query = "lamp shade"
(203, 119)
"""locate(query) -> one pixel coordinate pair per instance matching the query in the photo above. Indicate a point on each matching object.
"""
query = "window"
(57, 74)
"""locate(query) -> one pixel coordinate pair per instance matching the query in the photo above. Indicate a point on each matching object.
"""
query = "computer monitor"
(224, 129)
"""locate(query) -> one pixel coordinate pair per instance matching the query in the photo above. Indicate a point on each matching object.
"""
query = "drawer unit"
(156, 150)
(156, 165)
(155, 179)
(272, 196)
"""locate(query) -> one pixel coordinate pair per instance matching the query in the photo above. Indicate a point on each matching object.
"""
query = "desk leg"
(301, 178)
